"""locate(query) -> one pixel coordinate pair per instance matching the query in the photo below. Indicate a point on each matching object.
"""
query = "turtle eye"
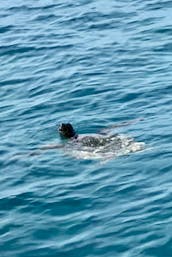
(60, 127)
(63, 127)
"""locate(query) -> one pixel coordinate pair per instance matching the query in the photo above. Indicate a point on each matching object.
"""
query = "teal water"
(92, 63)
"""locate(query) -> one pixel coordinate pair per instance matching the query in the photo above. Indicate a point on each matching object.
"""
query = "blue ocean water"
(92, 63)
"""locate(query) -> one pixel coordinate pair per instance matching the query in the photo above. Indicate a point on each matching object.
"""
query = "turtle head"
(66, 130)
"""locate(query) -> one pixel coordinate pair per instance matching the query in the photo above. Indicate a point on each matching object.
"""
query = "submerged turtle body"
(97, 146)
(93, 140)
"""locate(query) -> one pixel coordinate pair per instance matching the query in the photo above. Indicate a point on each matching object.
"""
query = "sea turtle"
(104, 145)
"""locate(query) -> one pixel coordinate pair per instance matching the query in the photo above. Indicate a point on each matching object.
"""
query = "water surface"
(92, 63)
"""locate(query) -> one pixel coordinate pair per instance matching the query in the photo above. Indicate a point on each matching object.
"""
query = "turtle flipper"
(106, 131)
